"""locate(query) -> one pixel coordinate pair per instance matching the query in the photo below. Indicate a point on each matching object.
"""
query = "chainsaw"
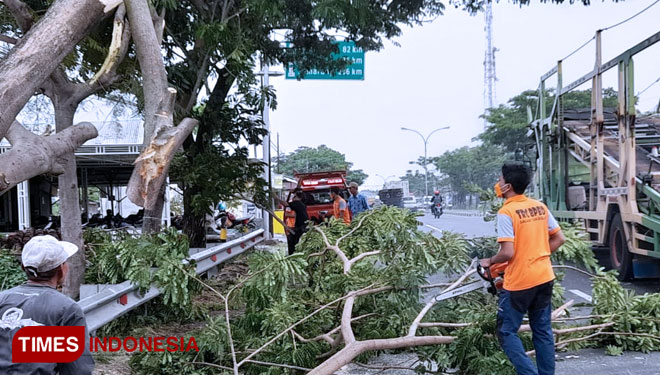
(492, 280)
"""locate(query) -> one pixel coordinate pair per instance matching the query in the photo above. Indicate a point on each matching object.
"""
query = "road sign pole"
(266, 157)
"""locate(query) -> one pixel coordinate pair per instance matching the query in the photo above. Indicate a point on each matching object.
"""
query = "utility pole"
(278, 153)
(266, 73)
(490, 77)
(426, 168)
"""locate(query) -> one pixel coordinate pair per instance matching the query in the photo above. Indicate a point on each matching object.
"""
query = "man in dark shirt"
(297, 208)
(38, 303)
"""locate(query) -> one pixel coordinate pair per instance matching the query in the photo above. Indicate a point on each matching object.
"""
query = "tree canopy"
(478, 165)
(508, 122)
(322, 158)
(213, 49)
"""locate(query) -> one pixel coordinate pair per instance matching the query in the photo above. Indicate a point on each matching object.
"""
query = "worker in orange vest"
(339, 206)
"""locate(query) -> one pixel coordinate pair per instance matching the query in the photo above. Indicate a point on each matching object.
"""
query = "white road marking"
(581, 294)
(432, 227)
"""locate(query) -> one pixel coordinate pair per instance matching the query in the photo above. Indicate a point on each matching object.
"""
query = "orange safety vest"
(336, 208)
(290, 217)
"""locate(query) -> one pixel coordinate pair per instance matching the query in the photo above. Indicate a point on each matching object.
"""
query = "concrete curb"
(464, 213)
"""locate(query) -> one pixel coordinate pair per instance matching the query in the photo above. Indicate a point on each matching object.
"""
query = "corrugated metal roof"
(125, 132)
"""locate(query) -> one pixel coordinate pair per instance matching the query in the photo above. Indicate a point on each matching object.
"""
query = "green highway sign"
(347, 50)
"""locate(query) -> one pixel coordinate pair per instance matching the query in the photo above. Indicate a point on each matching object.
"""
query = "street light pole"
(266, 73)
(426, 169)
(385, 179)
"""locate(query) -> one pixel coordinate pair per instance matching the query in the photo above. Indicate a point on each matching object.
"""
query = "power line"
(611, 27)
(648, 87)
(631, 17)
(580, 47)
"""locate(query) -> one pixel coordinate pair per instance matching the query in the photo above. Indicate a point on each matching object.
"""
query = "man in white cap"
(38, 303)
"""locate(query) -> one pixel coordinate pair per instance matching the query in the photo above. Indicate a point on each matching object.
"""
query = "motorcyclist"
(437, 199)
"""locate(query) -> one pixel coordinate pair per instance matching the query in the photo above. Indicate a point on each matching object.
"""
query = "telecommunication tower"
(490, 78)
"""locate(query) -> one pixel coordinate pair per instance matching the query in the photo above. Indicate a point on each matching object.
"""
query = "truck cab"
(316, 189)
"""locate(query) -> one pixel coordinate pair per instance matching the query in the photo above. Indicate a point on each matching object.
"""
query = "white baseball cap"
(44, 253)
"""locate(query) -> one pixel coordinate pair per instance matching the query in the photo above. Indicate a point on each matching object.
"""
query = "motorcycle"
(227, 220)
(437, 210)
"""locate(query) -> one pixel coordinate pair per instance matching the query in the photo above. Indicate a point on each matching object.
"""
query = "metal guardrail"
(116, 300)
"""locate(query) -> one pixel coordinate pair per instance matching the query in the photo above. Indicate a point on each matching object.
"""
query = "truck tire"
(620, 257)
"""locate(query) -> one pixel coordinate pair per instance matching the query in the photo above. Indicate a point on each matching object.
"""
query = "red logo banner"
(48, 344)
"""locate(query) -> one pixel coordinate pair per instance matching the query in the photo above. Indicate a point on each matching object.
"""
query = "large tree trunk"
(147, 47)
(194, 226)
(153, 216)
(71, 224)
(39, 52)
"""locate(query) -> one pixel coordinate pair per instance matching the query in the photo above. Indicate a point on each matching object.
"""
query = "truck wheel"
(620, 257)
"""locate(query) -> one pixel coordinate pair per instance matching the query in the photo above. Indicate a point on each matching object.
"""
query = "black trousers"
(293, 238)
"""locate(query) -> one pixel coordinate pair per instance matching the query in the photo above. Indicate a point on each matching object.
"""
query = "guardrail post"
(213, 271)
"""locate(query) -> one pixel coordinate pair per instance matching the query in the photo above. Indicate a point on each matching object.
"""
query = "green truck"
(601, 165)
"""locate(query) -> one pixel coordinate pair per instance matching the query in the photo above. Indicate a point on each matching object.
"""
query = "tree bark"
(32, 155)
(39, 52)
(71, 224)
(147, 45)
(194, 226)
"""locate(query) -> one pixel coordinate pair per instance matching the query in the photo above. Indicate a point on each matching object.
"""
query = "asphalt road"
(578, 287)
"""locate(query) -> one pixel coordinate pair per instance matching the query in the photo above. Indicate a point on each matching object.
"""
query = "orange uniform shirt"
(338, 205)
(528, 224)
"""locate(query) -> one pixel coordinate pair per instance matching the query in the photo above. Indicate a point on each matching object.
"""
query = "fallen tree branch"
(294, 325)
(346, 329)
(561, 266)
(555, 314)
(362, 256)
(344, 259)
(354, 229)
(8, 39)
(415, 324)
(279, 365)
(445, 325)
(351, 351)
(581, 328)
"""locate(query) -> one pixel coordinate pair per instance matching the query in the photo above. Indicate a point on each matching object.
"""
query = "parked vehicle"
(225, 219)
(601, 166)
(392, 197)
(410, 203)
(316, 189)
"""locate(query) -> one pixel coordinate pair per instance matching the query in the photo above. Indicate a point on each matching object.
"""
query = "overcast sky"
(435, 79)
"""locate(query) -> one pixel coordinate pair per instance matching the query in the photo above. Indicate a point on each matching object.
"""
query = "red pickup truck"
(316, 188)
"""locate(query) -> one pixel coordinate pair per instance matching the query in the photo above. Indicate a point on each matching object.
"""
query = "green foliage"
(11, 273)
(489, 202)
(614, 350)
(282, 291)
(116, 259)
(322, 158)
(630, 313)
(509, 121)
(417, 182)
(577, 248)
(471, 166)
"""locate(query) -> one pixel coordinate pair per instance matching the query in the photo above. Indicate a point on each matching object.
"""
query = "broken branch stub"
(153, 163)
(32, 155)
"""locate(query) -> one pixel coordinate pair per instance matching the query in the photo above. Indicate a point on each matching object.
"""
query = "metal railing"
(116, 300)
